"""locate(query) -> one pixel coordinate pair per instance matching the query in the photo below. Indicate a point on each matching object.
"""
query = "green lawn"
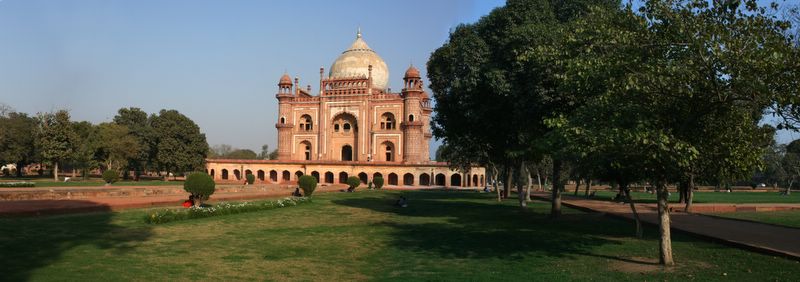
(786, 218)
(42, 182)
(710, 197)
(442, 235)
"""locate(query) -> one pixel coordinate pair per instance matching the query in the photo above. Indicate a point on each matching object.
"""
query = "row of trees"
(165, 142)
(225, 151)
(671, 93)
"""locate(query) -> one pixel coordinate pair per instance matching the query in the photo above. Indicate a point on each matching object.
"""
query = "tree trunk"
(539, 179)
(689, 194)
(497, 190)
(528, 187)
(665, 243)
(521, 195)
(55, 171)
(577, 186)
(633, 209)
(588, 186)
(494, 183)
(19, 169)
(555, 208)
(682, 191)
(507, 183)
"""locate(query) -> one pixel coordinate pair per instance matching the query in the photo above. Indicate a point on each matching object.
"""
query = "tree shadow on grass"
(472, 226)
(29, 243)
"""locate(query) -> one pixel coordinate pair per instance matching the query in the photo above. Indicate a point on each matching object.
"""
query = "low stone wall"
(70, 193)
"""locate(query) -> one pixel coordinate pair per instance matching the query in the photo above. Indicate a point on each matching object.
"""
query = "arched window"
(455, 180)
(346, 127)
(273, 176)
(283, 120)
(336, 127)
(408, 179)
(424, 179)
(410, 117)
(347, 153)
(329, 177)
(440, 179)
(308, 152)
(387, 121)
(387, 150)
(305, 123)
(363, 177)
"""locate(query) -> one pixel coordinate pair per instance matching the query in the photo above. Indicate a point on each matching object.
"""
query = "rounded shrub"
(110, 176)
(200, 185)
(353, 182)
(308, 183)
(378, 181)
(250, 179)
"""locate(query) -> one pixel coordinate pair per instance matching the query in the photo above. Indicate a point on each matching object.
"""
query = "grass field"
(442, 235)
(709, 197)
(785, 218)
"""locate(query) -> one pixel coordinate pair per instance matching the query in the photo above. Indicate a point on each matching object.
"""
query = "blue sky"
(217, 62)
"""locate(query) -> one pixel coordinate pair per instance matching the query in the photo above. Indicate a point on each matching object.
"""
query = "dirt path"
(767, 238)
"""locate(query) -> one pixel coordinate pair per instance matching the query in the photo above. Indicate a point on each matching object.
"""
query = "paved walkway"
(772, 239)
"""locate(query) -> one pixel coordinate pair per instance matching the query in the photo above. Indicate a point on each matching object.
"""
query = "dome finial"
(358, 34)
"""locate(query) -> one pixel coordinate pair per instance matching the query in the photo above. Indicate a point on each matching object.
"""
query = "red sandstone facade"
(354, 126)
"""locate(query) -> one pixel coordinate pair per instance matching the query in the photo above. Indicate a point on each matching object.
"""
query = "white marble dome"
(355, 61)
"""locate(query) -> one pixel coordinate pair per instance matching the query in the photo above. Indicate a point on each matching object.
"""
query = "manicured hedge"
(167, 215)
(308, 183)
(17, 184)
(110, 176)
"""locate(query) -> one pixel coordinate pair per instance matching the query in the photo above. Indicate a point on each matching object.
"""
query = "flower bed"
(167, 215)
(17, 184)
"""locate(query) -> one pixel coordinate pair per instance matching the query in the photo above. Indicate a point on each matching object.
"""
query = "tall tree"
(139, 127)
(55, 138)
(264, 155)
(479, 77)
(242, 154)
(221, 150)
(84, 155)
(676, 89)
(17, 139)
(179, 145)
(117, 146)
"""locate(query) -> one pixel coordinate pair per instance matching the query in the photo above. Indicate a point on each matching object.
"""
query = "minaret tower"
(412, 121)
(285, 121)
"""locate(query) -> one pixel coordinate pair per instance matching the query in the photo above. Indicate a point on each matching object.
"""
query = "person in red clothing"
(189, 203)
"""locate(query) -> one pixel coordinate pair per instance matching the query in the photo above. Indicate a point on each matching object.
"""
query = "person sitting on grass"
(189, 203)
(402, 202)
(296, 193)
